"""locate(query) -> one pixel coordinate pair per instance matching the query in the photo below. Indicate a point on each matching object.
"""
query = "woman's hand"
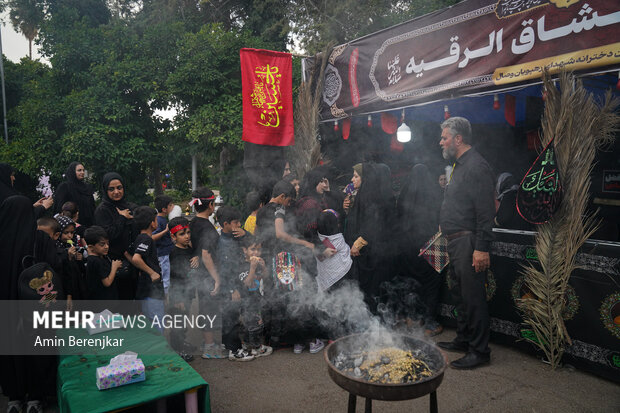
(355, 252)
(124, 212)
(347, 203)
(193, 263)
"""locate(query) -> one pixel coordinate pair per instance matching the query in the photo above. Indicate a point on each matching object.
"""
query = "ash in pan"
(388, 365)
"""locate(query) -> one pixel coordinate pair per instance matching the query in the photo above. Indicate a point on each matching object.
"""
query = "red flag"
(267, 89)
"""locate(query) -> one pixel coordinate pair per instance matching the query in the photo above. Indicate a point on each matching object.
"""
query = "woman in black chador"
(114, 215)
(74, 189)
(365, 231)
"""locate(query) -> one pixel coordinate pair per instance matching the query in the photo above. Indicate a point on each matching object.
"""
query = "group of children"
(247, 277)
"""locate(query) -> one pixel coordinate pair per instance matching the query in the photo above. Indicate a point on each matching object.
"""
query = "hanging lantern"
(496, 104)
(336, 127)
(369, 121)
(446, 112)
(618, 84)
(403, 133)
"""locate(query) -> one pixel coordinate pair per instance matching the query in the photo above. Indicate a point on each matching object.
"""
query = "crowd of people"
(299, 237)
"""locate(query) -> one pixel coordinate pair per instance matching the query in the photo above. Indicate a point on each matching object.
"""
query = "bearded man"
(466, 219)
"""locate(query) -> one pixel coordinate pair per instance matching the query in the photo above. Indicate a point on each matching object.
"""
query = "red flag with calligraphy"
(267, 81)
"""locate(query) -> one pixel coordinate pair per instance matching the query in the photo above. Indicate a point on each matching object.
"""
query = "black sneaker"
(240, 355)
(185, 356)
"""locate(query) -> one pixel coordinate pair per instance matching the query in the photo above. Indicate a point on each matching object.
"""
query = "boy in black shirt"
(204, 240)
(183, 279)
(100, 270)
(144, 257)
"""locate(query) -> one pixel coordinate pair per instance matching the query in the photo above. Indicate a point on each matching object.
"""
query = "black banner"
(474, 46)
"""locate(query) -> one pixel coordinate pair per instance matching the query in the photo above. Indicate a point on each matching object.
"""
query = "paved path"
(513, 382)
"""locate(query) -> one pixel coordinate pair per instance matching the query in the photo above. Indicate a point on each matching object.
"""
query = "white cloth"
(332, 269)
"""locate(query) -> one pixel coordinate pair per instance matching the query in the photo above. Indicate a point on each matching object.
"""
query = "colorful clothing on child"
(250, 224)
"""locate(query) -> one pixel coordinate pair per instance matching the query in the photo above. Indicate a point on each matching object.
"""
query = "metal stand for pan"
(387, 392)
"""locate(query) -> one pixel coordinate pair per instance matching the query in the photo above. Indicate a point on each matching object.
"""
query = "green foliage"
(318, 23)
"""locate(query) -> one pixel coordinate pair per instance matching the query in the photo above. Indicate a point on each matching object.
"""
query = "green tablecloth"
(167, 374)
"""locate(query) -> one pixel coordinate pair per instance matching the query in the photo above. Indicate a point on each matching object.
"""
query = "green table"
(167, 374)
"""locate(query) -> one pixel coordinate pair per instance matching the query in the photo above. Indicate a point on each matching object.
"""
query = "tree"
(26, 17)
(319, 22)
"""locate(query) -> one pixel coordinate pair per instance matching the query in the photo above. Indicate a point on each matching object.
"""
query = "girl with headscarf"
(417, 213)
(74, 189)
(311, 202)
(114, 216)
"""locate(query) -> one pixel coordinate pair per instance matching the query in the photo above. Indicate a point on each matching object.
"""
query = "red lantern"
(369, 121)
(446, 112)
(496, 104)
(336, 127)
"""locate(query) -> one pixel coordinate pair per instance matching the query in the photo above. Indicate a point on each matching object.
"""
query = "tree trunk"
(157, 188)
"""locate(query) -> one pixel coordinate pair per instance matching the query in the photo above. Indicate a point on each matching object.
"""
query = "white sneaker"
(211, 351)
(262, 351)
(14, 406)
(34, 406)
(240, 355)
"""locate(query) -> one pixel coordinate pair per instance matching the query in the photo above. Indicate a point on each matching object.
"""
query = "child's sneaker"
(262, 351)
(316, 346)
(34, 406)
(240, 355)
(211, 351)
(185, 356)
(298, 348)
(14, 406)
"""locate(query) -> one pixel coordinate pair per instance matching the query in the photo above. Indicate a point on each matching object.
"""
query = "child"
(333, 269)
(70, 209)
(277, 245)
(71, 258)
(253, 203)
(250, 275)
(50, 226)
(182, 280)
(204, 238)
(100, 270)
(161, 236)
(144, 257)
(227, 260)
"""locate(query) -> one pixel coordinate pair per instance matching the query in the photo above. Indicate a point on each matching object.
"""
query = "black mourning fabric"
(116, 226)
(469, 201)
(78, 191)
(18, 227)
(417, 209)
(6, 187)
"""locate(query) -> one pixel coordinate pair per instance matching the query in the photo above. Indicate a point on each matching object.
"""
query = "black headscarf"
(107, 178)
(310, 181)
(6, 186)
(18, 227)
(417, 208)
(78, 191)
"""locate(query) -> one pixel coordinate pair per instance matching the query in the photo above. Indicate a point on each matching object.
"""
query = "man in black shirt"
(466, 219)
